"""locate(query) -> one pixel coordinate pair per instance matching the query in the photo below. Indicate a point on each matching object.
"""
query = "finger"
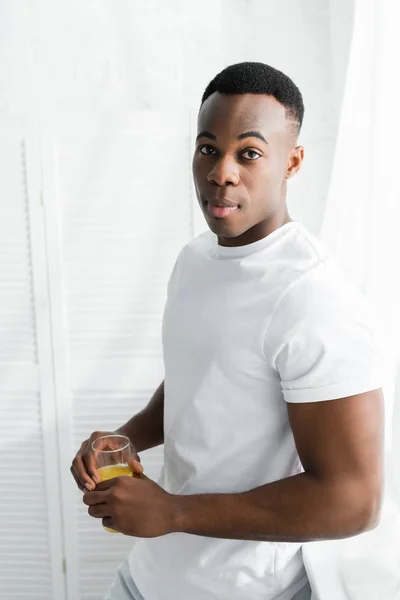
(136, 456)
(135, 465)
(78, 483)
(99, 511)
(107, 484)
(102, 441)
(92, 498)
(80, 470)
(109, 523)
(89, 460)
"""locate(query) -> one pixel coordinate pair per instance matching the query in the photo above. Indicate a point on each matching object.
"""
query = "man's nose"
(224, 172)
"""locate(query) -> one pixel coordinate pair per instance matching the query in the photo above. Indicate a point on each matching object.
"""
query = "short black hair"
(259, 78)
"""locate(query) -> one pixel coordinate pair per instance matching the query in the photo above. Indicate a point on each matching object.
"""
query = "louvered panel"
(17, 329)
(25, 564)
(25, 571)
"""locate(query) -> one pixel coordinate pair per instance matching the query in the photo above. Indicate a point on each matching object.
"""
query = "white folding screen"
(118, 199)
(31, 547)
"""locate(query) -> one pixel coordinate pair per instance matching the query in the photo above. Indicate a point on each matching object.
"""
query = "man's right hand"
(83, 466)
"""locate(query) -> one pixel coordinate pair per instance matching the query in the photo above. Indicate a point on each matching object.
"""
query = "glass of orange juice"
(113, 454)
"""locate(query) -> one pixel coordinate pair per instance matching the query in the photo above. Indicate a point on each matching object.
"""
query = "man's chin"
(222, 228)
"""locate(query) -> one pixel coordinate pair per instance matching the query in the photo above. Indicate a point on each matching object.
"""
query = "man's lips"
(219, 211)
(221, 207)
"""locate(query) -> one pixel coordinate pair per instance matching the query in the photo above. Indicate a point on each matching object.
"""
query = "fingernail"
(88, 486)
(96, 479)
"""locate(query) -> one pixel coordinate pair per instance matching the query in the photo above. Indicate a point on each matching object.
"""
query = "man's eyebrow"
(256, 134)
(207, 134)
(242, 136)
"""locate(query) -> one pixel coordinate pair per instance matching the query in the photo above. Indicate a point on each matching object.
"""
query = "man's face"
(245, 152)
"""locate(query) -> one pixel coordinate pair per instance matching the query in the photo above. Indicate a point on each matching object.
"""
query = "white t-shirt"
(246, 329)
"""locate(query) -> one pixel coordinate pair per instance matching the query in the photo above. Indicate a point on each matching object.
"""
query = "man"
(271, 412)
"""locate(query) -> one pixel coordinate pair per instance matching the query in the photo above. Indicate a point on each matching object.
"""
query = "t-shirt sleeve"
(321, 340)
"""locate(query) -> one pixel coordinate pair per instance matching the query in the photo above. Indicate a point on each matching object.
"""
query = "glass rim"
(113, 435)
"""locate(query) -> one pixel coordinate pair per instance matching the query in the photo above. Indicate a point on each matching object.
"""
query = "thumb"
(135, 465)
(106, 484)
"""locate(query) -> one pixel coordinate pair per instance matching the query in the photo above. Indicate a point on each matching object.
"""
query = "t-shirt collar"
(226, 252)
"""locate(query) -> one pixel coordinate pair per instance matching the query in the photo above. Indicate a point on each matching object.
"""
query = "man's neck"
(258, 232)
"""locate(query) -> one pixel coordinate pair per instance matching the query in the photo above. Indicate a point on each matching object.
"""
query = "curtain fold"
(361, 227)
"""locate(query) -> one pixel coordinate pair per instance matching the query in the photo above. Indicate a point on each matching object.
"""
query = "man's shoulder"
(311, 280)
(199, 246)
(318, 269)
(191, 253)
(202, 242)
(302, 249)
(321, 294)
(295, 256)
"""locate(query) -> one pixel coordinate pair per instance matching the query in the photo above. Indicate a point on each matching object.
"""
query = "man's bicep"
(341, 438)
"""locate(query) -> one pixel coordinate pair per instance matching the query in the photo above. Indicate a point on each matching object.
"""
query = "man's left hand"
(134, 506)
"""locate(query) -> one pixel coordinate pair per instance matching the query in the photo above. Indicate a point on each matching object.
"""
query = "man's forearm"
(296, 509)
(146, 429)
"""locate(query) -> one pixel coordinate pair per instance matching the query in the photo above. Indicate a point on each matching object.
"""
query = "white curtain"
(361, 226)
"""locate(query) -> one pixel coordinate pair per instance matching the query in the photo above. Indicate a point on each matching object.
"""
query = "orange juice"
(111, 471)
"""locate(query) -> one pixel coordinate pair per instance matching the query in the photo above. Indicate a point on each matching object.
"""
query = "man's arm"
(340, 444)
(146, 429)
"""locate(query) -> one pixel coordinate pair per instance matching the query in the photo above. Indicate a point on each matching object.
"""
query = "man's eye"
(252, 154)
(207, 150)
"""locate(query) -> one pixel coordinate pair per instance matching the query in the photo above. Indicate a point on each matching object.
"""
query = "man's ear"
(295, 161)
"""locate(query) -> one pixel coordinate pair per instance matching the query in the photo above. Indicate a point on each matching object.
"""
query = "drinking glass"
(113, 454)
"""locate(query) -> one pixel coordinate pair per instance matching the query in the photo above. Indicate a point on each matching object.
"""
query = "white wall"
(97, 56)
(100, 100)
